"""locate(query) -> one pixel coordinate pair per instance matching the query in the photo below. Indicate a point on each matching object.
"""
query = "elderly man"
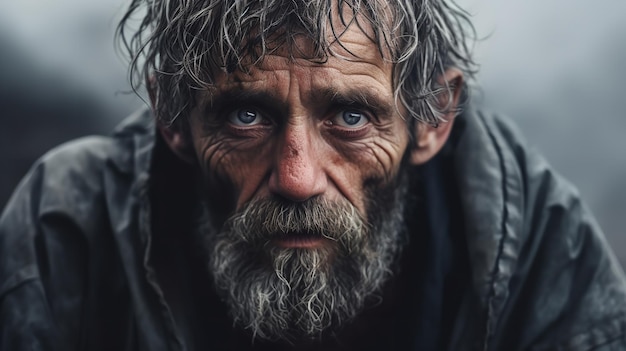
(310, 177)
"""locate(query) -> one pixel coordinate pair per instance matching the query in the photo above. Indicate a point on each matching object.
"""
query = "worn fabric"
(82, 265)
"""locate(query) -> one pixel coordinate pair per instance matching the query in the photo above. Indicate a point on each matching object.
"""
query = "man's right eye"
(245, 117)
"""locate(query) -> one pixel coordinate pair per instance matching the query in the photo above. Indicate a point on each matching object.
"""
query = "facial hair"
(280, 293)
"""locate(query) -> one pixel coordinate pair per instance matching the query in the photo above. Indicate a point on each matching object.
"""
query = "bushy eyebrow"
(358, 98)
(231, 98)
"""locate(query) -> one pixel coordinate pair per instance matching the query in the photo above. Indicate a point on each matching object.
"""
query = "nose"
(297, 173)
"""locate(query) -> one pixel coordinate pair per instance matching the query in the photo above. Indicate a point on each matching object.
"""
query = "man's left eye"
(350, 119)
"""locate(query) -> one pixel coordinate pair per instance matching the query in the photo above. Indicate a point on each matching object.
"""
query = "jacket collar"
(130, 212)
(489, 181)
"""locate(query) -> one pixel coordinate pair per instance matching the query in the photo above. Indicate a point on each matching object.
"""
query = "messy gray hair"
(179, 46)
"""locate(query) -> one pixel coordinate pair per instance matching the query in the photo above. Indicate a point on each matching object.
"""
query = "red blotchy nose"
(297, 174)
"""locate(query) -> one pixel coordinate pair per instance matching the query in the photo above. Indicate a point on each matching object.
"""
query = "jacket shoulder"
(71, 179)
(55, 239)
(556, 281)
(62, 193)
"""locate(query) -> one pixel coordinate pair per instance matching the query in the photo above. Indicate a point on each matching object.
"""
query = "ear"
(173, 135)
(430, 139)
(178, 142)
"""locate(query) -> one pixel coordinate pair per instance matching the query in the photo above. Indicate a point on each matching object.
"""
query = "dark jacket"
(76, 270)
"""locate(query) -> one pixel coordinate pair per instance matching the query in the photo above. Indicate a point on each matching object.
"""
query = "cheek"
(370, 163)
(386, 154)
(233, 170)
(392, 146)
(378, 156)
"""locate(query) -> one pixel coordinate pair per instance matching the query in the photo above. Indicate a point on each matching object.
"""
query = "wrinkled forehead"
(355, 43)
(310, 30)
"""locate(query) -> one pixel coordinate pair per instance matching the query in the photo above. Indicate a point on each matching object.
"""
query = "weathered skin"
(76, 237)
(299, 146)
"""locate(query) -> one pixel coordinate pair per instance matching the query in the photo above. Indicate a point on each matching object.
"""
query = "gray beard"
(287, 294)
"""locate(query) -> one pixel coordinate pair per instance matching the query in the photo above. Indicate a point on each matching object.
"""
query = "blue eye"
(245, 117)
(350, 119)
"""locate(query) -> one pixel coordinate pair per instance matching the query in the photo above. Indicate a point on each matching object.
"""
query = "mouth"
(301, 241)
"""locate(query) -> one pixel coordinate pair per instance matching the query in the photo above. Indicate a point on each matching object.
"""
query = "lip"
(300, 242)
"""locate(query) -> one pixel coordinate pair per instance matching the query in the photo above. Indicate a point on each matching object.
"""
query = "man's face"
(301, 164)
(298, 130)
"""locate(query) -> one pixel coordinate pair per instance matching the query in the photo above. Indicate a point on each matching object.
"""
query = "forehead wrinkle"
(238, 83)
(373, 79)
(247, 94)
(369, 71)
(354, 45)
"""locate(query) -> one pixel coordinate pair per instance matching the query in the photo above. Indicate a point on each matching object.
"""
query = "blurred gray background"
(556, 66)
